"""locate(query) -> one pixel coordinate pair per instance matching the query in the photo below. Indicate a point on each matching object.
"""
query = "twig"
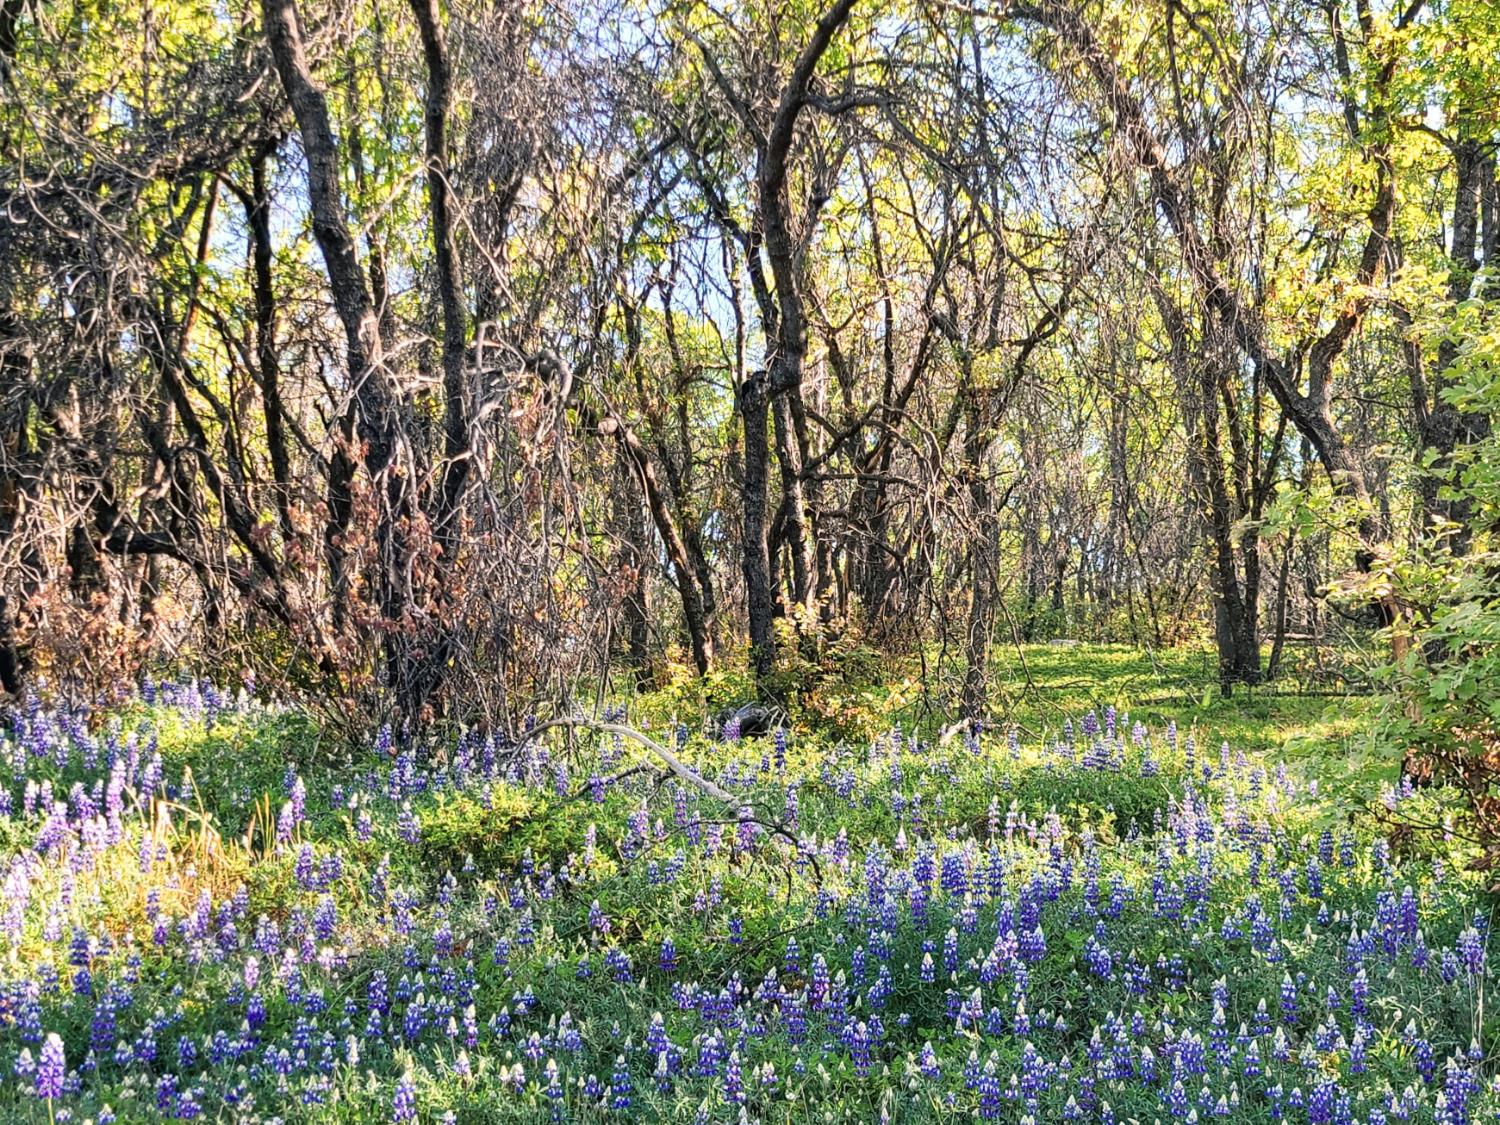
(948, 732)
(674, 763)
(586, 788)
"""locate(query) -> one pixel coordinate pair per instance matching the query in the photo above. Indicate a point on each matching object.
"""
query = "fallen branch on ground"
(682, 770)
(673, 762)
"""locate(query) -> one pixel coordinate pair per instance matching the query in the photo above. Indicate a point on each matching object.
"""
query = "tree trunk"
(456, 412)
(760, 604)
(1235, 606)
(981, 559)
(1442, 428)
(633, 528)
(371, 412)
(782, 314)
(1283, 596)
(268, 364)
(694, 615)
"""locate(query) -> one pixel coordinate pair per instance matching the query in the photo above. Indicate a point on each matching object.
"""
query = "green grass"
(1322, 732)
(1038, 686)
(855, 695)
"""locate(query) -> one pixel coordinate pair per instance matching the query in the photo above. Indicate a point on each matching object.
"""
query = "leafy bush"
(1442, 714)
(500, 826)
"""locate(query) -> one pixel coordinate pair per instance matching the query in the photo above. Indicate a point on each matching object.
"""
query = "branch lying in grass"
(946, 736)
(587, 788)
(674, 763)
(682, 770)
(796, 856)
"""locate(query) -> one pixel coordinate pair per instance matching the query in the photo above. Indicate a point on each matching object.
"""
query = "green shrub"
(498, 830)
(1441, 713)
(1081, 795)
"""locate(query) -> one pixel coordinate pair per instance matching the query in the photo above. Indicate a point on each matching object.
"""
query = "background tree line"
(441, 354)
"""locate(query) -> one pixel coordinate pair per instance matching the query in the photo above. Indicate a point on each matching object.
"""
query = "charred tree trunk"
(268, 363)
(18, 580)
(982, 577)
(440, 202)
(785, 326)
(759, 600)
(371, 414)
(422, 673)
(760, 603)
(633, 529)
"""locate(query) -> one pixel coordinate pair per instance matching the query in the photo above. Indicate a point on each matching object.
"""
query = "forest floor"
(1135, 901)
(1307, 719)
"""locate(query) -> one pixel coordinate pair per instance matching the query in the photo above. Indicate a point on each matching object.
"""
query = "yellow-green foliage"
(498, 826)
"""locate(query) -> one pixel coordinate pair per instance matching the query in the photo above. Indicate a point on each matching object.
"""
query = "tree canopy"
(444, 352)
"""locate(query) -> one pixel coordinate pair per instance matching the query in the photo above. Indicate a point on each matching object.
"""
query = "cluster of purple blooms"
(882, 919)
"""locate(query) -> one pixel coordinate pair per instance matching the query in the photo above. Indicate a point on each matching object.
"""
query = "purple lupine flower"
(404, 1102)
(620, 1086)
(51, 1068)
(734, 1082)
(989, 1091)
(858, 1039)
(1470, 947)
(303, 869)
(747, 832)
(554, 1089)
(408, 824)
(296, 791)
(709, 1054)
(325, 918)
(928, 1062)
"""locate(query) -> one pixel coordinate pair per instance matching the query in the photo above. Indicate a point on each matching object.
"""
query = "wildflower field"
(212, 913)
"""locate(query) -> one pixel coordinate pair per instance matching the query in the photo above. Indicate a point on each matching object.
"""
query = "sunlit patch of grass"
(1038, 686)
